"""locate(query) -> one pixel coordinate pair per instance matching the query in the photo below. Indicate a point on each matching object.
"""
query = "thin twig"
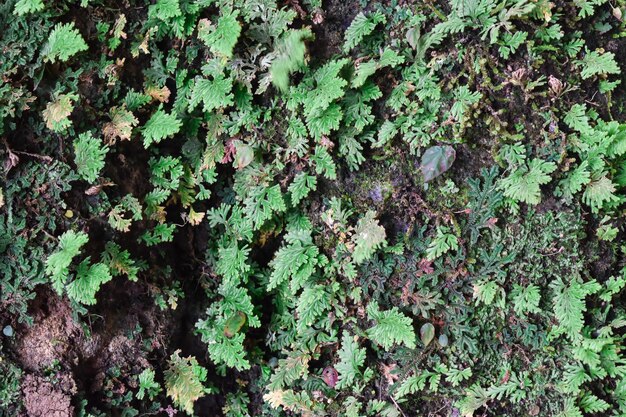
(34, 155)
(397, 406)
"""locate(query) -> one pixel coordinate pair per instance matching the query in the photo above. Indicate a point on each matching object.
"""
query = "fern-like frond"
(596, 63)
(160, 126)
(599, 192)
(213, 94)
(184, 379)
(57, 264)
(360, 27)
(290, 56)
(524, 183)
(391, 327)
(89, 154)
(351, 360)
(23, 7)
(164, 9)
(88, 280)
(301, 186)
(64, 42)
(222, 37)
(368, 236)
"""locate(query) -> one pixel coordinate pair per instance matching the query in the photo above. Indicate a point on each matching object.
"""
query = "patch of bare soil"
(80, 358)
(43, 399)
(329, 30)
(51, 337)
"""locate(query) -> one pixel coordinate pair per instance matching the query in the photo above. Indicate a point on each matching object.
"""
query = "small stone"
(8, 331)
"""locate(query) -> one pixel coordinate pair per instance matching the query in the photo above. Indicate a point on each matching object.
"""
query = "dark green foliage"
(9, 385)
(24, 233)
(313, 209)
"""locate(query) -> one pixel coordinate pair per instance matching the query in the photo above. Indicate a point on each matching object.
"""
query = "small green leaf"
(437, 160)
(392, 327)
(369, 235)
(427, 333)
(524, 183)
(244, 154)
(360, 27)
(213, 94)
(413, 36)
(234, 324)
(147, 385)
(184, 379)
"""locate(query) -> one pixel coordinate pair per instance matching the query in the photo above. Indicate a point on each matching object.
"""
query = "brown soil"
(43, 399)
(80, 357)
(329, 33)
(52, 337)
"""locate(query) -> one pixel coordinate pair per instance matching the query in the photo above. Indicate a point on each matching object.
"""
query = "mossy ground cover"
(305, 208)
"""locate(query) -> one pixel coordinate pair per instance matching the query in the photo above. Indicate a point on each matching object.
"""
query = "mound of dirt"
(51, 338)
(57, 343)
(43, 399)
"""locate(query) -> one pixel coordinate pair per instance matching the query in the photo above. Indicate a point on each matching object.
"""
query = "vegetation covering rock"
(307, 208)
